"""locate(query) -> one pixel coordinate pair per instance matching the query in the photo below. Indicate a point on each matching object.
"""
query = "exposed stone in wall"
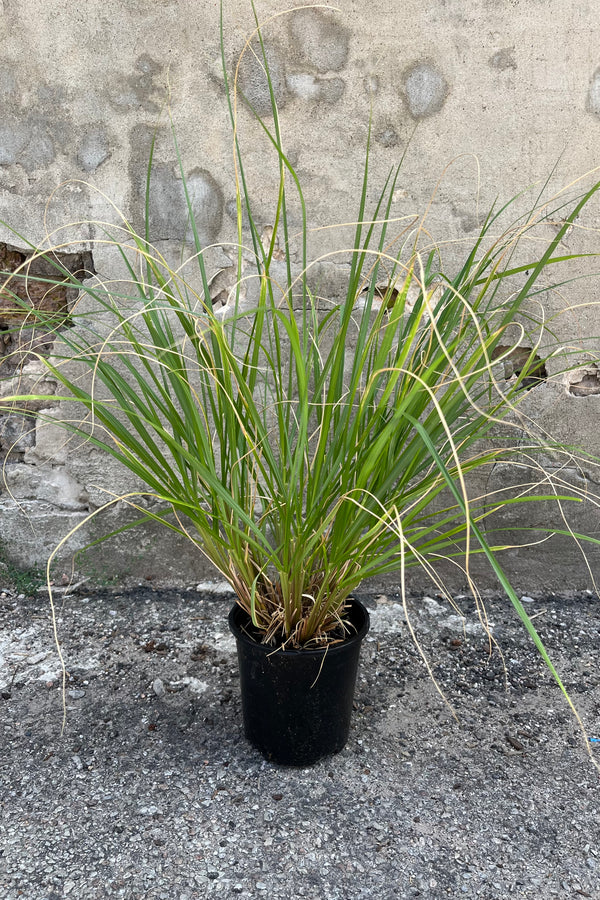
(23, 295)
(17, 435)
(425, 89)
(22, 288)
(52, 442)
(50, 484)
(19, 346)
(168, 213)
(21, 377)
(320, 39)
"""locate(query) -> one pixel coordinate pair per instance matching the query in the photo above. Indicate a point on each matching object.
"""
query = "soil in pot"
(297, 704)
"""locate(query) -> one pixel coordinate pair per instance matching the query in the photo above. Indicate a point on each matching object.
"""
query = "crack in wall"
(519, 360)
(584, 382)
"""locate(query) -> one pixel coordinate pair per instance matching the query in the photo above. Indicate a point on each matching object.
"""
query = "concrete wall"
(499, 90)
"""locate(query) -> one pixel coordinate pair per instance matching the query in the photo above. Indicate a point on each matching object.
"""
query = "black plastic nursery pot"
(297, 704)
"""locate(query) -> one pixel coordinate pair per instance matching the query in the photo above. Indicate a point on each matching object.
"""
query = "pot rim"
(356, 636)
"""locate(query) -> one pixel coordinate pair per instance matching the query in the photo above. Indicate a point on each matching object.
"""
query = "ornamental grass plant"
(307, 443)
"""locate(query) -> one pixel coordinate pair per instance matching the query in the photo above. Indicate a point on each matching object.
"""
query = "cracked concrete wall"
(500, 91)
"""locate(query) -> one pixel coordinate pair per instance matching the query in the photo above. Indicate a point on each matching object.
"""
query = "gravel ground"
(153, 792)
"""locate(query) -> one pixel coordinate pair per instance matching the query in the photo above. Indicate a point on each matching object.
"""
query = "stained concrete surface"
(484, 96)
(152, 790)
